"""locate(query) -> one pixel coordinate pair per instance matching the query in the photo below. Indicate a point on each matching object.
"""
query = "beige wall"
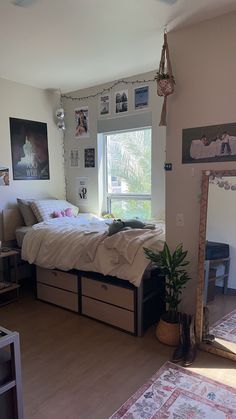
(204, 65)
(26, 102)
(158, 144)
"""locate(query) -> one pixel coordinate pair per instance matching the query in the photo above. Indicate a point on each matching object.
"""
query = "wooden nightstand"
(9, 287)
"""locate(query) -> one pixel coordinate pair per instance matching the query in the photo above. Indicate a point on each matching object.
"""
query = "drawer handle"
(104, 287)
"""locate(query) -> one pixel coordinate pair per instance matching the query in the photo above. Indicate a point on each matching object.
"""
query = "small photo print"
(4, 176)
(121, 101)
(141, 97)
(104, 105)
(74, 158)
(89, 157)
(82, 122)
(82, 188)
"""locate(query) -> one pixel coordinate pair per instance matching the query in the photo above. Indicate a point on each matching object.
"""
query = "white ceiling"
(71, 44)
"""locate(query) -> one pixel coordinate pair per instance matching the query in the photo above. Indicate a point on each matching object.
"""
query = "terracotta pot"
(168, 333)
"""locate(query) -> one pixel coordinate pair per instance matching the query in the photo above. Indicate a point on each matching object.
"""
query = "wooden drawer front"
(59, 279)
(112, 294)
(109, 314)
(57, 296)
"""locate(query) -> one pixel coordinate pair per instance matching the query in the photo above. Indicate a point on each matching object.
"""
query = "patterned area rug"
(225, 328)
(177, 393)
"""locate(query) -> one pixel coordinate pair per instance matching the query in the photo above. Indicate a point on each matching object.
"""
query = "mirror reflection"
(219, 326)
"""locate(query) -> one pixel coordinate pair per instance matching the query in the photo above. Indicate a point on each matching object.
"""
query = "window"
(128, 173)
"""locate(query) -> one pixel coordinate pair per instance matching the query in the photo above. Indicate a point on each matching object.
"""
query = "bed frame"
(104, 298)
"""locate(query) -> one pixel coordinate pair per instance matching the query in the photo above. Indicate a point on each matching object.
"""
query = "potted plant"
(165, 83)
(172, 266)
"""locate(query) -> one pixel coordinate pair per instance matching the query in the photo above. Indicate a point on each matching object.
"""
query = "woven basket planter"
(165, 87)
(168, 333)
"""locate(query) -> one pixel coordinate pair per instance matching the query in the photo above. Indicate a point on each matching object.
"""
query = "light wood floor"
(76, 368)
(218, 308)
(221, 306)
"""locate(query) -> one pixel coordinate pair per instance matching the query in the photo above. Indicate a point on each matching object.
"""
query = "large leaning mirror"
(216, 292)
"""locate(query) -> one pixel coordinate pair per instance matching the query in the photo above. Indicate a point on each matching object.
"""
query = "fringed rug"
(225, 328)
(175, 392)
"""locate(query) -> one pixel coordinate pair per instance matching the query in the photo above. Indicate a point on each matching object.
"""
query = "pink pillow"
(68, 212)
(56, 214)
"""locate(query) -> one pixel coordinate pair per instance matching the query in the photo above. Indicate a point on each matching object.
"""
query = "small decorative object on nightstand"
(9, 287)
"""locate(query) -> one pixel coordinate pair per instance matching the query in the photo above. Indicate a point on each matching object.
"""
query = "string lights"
(108, 89)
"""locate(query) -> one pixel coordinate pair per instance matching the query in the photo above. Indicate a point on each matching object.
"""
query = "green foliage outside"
(129, 161)
(131, 209)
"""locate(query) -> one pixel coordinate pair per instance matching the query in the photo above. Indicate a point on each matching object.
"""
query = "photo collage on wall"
(121, 105)
(121, 102)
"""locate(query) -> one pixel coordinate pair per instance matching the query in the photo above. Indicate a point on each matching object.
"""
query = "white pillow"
(44, 209)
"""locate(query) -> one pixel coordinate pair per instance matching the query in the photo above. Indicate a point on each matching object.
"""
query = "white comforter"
(82, 243)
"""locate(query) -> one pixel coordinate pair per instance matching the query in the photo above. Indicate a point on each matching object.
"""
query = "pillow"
(44, 209)
(68, 212)
(26, 211)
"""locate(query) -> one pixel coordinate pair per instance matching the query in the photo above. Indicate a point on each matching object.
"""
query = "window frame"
(122, 196)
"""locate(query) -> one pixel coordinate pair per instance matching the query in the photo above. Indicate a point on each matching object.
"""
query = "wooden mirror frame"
(201, 260)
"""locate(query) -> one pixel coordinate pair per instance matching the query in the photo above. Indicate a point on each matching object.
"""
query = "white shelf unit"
(11, 408)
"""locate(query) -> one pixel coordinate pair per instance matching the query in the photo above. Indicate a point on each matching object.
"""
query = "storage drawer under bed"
(57, 296)
(107, 313)
(112, 294)
(59, 279)
(108, 303)
(58, 287)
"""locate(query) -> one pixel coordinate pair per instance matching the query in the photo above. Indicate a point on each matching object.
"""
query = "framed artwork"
(29, 149)
(213, 143)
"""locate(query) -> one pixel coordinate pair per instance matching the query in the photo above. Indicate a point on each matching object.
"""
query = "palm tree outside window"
(128, 173)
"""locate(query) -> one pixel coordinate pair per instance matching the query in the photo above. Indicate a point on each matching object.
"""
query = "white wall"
(26, 102)
(221, 226)
(204, 65)
(158, 144)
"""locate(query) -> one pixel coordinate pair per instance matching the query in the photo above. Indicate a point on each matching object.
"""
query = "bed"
(81, 268)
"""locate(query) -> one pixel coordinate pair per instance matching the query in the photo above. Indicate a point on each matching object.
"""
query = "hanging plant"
(165, 79)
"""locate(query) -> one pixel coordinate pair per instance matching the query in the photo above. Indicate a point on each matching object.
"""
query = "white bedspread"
(82, 243)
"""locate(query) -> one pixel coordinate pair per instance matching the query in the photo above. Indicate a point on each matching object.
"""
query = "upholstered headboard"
(11, 219)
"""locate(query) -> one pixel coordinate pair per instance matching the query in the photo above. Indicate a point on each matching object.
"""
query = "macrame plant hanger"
(165, 79)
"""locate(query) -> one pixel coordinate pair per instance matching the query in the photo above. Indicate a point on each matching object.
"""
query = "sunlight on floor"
(223, 375)
(226, 345)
